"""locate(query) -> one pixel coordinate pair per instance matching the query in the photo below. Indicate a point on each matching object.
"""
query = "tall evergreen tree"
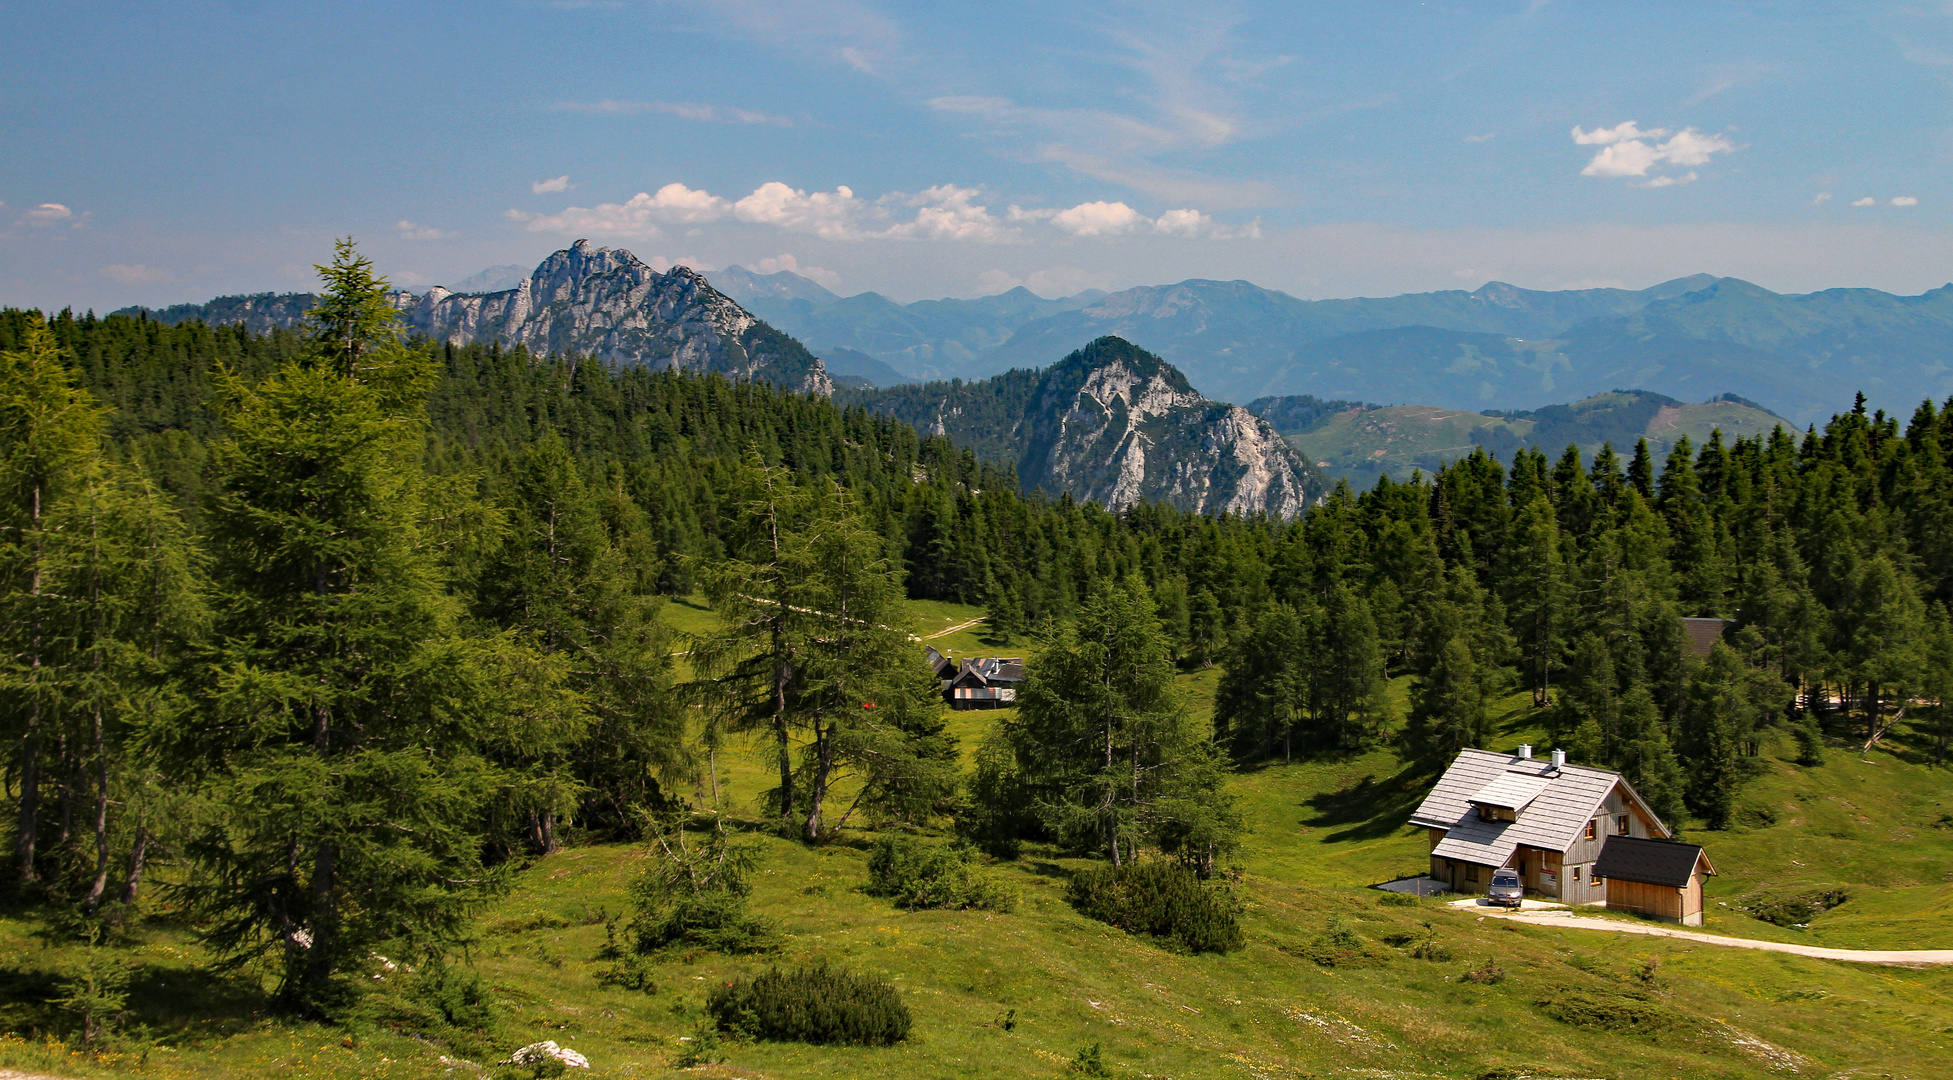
(346, 724)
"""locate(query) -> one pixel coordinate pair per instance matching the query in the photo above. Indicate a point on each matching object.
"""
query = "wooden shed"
(1661, 879)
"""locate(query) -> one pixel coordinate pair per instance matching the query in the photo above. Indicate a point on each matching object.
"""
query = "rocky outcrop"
(582, 301)
(605, 304)
(1116, 425)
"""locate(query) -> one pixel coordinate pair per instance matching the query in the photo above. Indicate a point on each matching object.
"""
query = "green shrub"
(1163, 900)
(1793, 909)
(817, 1004)
(1397, 899)
(918, 875)
(1089, 1062)
(1629, 1013)
(1486, 974)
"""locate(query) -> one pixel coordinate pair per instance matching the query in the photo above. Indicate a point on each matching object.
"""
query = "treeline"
(342, 626)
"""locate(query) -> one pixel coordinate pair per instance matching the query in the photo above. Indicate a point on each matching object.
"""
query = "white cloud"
(635, 218)
(1866, 201)
(830, 215)
(137, 274)
(1098, 219)
(555, 183)
(1487, 137)
(945, 212)
(1822, 198)
(49, 213)
(1631, 158)
(407, 230)
(1905, 200)
(948, 212)
(681, 110)
(1623, 132)
(1627, 150)
(1690, 147)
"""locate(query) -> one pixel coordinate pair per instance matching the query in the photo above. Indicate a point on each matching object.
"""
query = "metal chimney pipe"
(1559, 758)
(1525, 751)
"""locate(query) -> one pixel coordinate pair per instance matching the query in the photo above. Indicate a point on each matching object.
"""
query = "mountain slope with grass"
(1362, 441)
(1336, 979)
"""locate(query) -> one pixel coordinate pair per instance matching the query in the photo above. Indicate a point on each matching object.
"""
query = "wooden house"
(1699, 636)
(983, 683)
(1661, 879)
(1543, 817)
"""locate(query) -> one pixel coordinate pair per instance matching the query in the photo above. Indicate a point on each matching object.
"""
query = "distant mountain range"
(1497, 347)
(1359, 441)
(1117, 425)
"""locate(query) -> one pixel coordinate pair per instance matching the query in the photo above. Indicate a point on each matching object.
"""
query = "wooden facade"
(1659, 881)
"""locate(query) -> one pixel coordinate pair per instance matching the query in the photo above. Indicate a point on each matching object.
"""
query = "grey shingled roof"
(1513, 791)
(1653, 862)
(1554, 820)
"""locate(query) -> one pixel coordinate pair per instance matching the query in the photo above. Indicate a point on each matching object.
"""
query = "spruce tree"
(1103, 745)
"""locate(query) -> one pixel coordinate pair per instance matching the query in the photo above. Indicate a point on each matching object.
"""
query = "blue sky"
(159, 152)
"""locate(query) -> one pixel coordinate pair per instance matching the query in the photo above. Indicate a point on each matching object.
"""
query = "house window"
(1576, 873)
(1471, 872)
(1621, 824)
(1591, 830)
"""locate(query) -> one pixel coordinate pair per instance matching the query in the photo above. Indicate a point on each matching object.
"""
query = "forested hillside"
(315, 637)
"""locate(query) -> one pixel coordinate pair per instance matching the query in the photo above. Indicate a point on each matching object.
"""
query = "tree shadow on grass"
(194, 1002)
(172, 1003)
(1369, 809)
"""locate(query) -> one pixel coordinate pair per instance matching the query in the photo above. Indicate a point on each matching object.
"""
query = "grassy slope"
(1359, 444)
(1320, 833)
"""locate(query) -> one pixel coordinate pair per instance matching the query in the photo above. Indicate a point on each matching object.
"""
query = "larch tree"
(347, 727)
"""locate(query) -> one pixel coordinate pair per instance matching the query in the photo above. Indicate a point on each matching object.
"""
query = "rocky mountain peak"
(608, 304)
(1114, 424)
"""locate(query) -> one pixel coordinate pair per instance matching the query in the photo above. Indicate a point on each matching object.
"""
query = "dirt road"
(1566, 920)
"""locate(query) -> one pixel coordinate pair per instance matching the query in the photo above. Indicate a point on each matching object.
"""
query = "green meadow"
(1337, 979)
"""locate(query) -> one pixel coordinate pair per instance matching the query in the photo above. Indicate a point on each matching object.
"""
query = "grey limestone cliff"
(606, 304)
(1114, 424)
(583, 301)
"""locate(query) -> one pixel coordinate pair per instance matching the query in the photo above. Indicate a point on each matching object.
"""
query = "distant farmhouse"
(986, 683)
(1577, 834)
(1701, 635)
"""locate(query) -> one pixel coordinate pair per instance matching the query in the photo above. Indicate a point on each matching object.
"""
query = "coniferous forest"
(315, 638)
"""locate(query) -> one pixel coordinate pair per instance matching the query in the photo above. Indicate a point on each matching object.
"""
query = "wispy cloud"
(682, 110)
(554, 183)
(843, 32)
(407, 230)
(134, 274)
(1905, 200)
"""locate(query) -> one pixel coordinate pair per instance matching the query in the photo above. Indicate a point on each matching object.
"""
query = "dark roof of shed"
(1703, 634)
(1652, 862)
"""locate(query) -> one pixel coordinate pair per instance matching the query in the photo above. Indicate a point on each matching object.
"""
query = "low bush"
(1397, 899)
(1486, 974)
(1628, 1013)
(918, 875)
(1162, 900)
(816, 1004)
(1793, 909)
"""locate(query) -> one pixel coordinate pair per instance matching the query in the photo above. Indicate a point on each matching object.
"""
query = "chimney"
(1525, 751)
(1559, 758)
